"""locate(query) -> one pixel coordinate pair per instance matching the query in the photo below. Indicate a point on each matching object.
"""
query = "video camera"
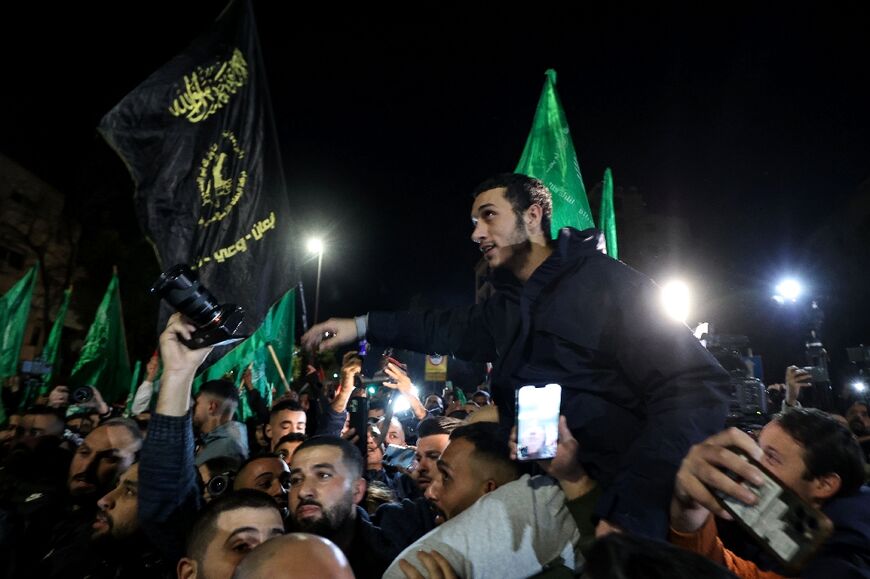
(748, 397)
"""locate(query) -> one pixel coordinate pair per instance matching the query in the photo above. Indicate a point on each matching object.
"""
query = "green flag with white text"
(14, 310)
(549, 156)
(607, 216)
(52, 345)
(103, 361)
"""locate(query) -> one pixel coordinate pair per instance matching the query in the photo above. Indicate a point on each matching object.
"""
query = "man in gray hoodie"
(218, 434)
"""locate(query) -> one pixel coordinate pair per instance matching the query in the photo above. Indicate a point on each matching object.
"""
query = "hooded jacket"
(638, 389)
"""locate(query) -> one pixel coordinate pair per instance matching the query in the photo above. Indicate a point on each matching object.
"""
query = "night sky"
(750, 126)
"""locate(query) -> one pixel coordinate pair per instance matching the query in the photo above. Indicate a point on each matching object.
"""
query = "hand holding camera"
(213, 324)
(176, 355)
(89, 397)
(59, 397)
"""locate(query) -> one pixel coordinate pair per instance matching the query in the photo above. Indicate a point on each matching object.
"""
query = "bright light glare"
(788, 290)
(676, 300)
(315, 245)
(859, 386)
(401, 404)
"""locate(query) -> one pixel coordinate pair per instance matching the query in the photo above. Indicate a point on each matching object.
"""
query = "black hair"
(522, 191)
(437, 425)
(43, 410)
(350, 454)
(222, 464)
(489, 439)
(203, 529)
(127, 423)
(223, 389)
(290, 405)
(292, 437)
(829, 447)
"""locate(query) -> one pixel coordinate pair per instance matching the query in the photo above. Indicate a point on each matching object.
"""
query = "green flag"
(103, 361)
(52, 346)
(607, 216)
(549, 156)
(134, 385)
(277, 330)
(14, 309)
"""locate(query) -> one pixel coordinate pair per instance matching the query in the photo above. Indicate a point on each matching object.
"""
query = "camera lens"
(182, 289)
(217, 485)
(82, 394)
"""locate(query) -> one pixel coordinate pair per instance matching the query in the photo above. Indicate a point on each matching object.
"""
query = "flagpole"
(304, 309)
(121, 316)
(278, 367)
(128, 411)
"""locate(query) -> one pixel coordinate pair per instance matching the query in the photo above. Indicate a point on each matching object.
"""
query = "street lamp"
(788, 290)
(315, 245)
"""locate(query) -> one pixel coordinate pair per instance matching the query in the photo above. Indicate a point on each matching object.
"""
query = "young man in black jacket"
(637, 388)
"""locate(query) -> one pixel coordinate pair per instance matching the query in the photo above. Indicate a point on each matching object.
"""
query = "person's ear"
(826, 486)
(186, 568)
(359, 490)
(533, 216)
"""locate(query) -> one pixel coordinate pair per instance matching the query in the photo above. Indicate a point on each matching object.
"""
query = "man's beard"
(856, 425)
(87, 497)
(328, 524)
(103, 537)
(521, 244)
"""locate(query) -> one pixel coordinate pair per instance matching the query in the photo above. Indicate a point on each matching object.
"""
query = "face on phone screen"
(538, 421)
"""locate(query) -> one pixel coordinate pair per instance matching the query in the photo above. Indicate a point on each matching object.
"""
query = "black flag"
(200, 144)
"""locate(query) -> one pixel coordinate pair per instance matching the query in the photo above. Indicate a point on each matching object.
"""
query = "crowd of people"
(643, 468)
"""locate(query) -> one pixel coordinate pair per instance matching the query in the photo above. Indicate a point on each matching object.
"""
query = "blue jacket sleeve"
(169, 495)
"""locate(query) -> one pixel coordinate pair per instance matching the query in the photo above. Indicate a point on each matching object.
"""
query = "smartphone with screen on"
(399, 456)
(538, 421)
(788, 527)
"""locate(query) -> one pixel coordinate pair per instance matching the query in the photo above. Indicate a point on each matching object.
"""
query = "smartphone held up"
(538, 421)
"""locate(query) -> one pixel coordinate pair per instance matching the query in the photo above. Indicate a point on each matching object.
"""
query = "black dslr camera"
(217, 324)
